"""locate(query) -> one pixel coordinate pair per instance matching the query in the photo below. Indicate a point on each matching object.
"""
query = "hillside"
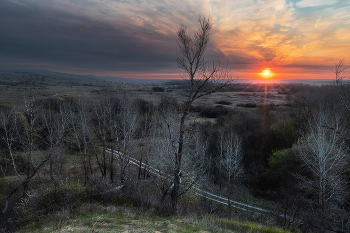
(127, 219)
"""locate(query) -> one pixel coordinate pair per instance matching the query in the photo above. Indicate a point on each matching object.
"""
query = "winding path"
(200, 192)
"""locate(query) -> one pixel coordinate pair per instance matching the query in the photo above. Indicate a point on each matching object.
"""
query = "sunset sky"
(136, 38)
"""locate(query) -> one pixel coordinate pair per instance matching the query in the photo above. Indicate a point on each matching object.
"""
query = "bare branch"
(340, 77)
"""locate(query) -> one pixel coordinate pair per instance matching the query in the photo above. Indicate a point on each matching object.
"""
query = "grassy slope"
(126, 219)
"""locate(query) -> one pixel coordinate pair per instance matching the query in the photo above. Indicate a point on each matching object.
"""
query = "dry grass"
(211, 100)
(97, 218)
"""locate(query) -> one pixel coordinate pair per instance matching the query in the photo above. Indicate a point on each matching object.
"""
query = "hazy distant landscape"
(63, 77)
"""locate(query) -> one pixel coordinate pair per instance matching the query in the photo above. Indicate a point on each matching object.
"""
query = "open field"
(62, 85)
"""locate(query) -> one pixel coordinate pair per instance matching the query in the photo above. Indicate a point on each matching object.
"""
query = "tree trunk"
(177, 170)
(122, 171)
(104, 165)
(175, 190)
(111, 169)
(140, 168)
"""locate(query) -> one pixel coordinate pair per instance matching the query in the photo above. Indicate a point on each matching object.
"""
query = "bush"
(50, 103)
(214, 112)
(158, 89)
(65, 196)
(247, 105)
(43, 202)
(224, 102)
(167, 102)
(144, 106)
(276, 157)
(282, 165)
(197, 108)
(281, 135)
(7, 164)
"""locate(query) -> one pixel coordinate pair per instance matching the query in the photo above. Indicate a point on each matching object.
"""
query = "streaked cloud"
(313, 3)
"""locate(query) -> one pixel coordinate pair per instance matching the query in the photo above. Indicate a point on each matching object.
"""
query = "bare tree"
(105, 121)
(231, 157)
(322, 149)
(147, 126)
(53, 121)
(80, 130)
(9, 139)
(203, 78)
(41, 160)
(29, 125)
(343, 86)
(125, 128)
(115, 123)
(164, 146)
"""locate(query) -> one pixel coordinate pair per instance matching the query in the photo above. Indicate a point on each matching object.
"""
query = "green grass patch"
(95, 218)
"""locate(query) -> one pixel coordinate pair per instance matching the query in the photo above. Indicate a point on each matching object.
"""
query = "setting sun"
(267, 72)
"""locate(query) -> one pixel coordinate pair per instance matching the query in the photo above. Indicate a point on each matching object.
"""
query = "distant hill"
(57, 77)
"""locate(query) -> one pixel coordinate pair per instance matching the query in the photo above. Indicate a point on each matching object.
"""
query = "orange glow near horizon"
(254, 73)
(266, 74)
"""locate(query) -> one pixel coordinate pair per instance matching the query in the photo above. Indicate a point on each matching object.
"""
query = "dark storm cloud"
(53, 36)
